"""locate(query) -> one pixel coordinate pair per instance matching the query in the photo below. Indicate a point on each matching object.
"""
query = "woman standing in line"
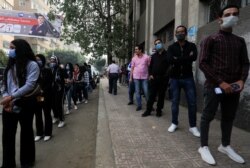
(20, 78)
(44, 101)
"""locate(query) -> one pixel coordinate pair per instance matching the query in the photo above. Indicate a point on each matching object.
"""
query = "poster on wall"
(29, 24)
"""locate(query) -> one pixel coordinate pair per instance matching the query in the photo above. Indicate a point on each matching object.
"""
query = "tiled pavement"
(127, 140)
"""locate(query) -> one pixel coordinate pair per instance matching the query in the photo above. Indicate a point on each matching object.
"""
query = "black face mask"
(180, 37)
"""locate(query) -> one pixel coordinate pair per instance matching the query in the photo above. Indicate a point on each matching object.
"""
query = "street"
(72, 146)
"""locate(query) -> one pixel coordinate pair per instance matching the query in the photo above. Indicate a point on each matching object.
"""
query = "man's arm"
(244, 62)
(204, 63)
(192, 56)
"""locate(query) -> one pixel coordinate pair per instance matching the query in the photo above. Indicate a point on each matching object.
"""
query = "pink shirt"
(140, 65)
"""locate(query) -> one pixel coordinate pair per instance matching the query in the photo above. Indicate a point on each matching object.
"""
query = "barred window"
(215, 6)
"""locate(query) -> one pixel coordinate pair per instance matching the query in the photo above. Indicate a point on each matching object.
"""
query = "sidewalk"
(127, 140)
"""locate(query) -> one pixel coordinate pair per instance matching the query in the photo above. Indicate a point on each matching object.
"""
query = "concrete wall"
(164, 12)
(243, 115)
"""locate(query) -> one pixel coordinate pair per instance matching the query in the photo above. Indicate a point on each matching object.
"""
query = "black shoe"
(158, 113)
(130, 103)
(138, 108)
(145, 114)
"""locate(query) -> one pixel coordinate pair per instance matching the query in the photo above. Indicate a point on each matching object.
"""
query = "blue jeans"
(141, 84)
(189, 88)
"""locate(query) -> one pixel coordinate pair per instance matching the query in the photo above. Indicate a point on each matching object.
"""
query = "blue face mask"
(52, 65)
(158, 46)
(12, 53)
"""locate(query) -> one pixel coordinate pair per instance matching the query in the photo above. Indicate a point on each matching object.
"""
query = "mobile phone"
(218, 90)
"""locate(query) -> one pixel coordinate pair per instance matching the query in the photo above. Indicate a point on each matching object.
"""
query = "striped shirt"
(223, 58)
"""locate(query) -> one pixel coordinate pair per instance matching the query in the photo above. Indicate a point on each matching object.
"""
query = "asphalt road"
(72, 146)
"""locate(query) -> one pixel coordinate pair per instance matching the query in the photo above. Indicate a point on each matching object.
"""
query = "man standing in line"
(158, 79)
(225, 63)
(182, 54)
(139, 73)
(113, 74)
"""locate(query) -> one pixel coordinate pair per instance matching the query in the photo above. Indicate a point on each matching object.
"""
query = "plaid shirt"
(224, 58)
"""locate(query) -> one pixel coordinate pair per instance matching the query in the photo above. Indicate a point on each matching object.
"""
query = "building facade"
(159, 18)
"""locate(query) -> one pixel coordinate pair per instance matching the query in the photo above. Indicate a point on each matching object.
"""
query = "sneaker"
(138, 108)
(55, 120)
(172, 128)
(38, 138)
(61, 124)
(86, 101)
(195, 131)
(47, 138)
(75, 107)
(231, 153)
(67, 112)
(206, 155)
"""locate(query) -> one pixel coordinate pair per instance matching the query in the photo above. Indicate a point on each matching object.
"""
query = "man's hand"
(151, 77)
(130, 80)
(226, 87)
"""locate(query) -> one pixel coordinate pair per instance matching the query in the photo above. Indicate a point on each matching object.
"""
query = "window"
(245, 3)
(21, 2)
(215, 6)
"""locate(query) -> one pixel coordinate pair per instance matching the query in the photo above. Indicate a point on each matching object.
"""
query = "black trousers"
(229, 104)
(44, 128)
(27, 144)
(113, 77)
(157, 87)
(57, 104)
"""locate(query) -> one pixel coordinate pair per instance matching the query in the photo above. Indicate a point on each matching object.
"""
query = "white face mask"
(229, 22)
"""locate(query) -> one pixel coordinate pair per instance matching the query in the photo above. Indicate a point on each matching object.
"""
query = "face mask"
(229, 22)
(180, 37)
(12, 53)
(52, 65)
(158, 46)
(67, 67)
(40, 63)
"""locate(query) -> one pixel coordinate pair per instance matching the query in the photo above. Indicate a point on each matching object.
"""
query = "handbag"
(35, 92)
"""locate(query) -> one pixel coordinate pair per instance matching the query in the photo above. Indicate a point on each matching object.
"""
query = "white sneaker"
(231, 153)
(46, 138)
(195, 131)
(61, 124)
(86, 101)
(67, 112)
(206, 155)
(54, 120)
(38, 138)
(75, 107)
(172, 128)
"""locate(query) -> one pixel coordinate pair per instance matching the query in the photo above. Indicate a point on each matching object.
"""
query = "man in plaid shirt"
(225, 64)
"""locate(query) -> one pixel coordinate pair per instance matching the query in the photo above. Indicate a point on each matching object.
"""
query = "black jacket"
(159, 64)
(181, 59)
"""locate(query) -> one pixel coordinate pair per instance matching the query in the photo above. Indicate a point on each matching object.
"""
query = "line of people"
(26, 71)
(223, 60)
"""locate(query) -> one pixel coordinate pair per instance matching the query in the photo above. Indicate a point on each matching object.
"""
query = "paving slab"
(144, 142)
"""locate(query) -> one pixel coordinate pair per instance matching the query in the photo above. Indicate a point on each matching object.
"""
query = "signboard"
(22, 23)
